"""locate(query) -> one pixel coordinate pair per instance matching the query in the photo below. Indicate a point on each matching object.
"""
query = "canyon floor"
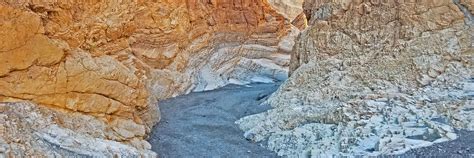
(202, 125)
(461, 147)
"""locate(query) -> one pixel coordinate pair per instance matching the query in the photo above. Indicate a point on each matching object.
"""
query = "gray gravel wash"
(459, 148)
(202, 124)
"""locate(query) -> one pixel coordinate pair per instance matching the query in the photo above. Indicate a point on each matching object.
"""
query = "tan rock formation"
(289, 8)
(300, 21)
(371, 78)
(114, 59)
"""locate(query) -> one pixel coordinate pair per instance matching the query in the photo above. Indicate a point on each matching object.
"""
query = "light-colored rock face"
(370, 78)
(33, 131)
(300, 21)
(289, 8)
(114, 60)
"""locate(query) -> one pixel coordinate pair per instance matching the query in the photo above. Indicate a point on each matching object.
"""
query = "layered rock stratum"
(288, 8)
(372, 78)
(75, 74)
(292, 10)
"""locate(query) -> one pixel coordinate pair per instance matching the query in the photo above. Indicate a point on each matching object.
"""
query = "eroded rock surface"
(289, 8)
(112, 60)
(300, 22)
(34, 131)
(371, 78)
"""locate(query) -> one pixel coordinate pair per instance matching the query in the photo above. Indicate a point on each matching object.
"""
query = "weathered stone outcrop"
(373, 77)
(289, 8)
(301, 22)
(34, 131)
(114, 59)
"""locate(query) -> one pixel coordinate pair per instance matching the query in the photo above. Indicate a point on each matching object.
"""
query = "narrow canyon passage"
(202, 124)
(185, 78)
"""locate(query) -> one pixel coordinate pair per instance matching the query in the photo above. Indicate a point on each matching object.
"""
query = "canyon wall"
(292, 10)
(92, 71)
(289, 8)
(373, 77)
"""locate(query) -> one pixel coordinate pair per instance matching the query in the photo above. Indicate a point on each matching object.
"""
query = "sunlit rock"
(371, 78)
(113, 60)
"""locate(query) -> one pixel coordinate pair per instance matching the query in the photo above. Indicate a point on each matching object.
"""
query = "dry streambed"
(202, 125)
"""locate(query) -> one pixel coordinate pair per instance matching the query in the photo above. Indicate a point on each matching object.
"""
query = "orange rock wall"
(106, 58)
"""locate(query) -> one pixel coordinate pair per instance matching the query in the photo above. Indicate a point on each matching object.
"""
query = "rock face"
(289, 8)
(301, 22)
(371, 78)
(112, 60)
(33, 131)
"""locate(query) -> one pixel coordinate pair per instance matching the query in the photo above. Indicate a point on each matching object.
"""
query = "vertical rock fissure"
(467, 14)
